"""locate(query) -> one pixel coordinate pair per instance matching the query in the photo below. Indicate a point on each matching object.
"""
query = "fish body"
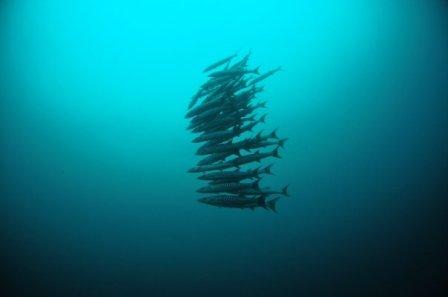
(264, 76)
(265, 191)
(219, 63)
(254, 157)
(213, 158)
(220, 148)
(235, 175)
(211, 167)
(223, 134)
(195, 98)
(240, 201)
(264, 143)
(242, 63)
(229, 187)
(233, 72)
(206, 105)
(251, 125)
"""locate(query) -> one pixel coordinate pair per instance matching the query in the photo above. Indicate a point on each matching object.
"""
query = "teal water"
(94, 195)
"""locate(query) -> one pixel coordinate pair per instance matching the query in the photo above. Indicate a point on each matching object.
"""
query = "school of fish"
(224, 114)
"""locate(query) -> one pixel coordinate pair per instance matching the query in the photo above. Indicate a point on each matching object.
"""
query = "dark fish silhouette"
(224, 111)
(238, 201)
(219, 63)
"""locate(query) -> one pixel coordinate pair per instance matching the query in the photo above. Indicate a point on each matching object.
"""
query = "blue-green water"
(94, 195)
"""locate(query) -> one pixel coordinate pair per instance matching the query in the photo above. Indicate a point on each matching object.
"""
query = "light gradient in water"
(94, 195)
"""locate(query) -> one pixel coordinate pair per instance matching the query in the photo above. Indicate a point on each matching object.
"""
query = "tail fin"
(272, 204)
(281, 142)
(275, 153)
(256, 184)
(257, 70)
(274, 134)
(262, 104)
(258, 136)
(285, 190)
(263, 118)
(266, 170)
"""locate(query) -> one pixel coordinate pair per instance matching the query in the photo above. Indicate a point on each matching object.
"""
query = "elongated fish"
(217, 166)
(264, 76)
(239, 201)
(265, 191)
(254, 157)
(230, 187)
(264, 143)
(219, 63)
(217, 135)
(232, 72)
(213, 158)
(220, 148)
(236, 175)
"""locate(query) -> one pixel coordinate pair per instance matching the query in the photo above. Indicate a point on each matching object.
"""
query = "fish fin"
(263, 118)
(267, 169)
(257, 70)
(256, 184)
(285, 191)
(281, 142)
(272, 204)
(275, 153)
(274, 134)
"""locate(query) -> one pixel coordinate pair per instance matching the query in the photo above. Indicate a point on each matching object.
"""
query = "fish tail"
(285, 191)
(267, 169)
(281, 142)
(256, 184)
(276, 154)
(274, 134)
(272, 204)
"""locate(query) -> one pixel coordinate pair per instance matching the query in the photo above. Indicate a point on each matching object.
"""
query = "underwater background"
(95, 198)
